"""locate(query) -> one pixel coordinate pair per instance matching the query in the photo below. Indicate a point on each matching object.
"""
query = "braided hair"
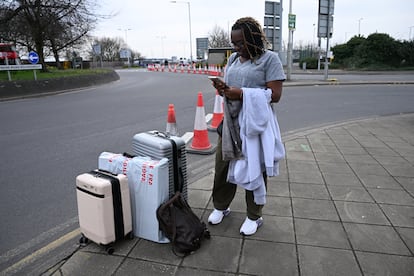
(253, 36)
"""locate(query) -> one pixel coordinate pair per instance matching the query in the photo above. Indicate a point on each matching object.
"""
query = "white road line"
(209, 116)
(58, 242)
(189, 135)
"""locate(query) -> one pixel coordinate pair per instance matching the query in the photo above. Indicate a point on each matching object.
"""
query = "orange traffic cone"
(218, 112)
(200, 143)
(171, 123)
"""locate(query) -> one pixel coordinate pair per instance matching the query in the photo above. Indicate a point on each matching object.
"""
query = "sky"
(159, 28)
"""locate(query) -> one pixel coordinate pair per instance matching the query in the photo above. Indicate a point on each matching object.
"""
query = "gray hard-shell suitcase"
(159, 145)
(104, 208)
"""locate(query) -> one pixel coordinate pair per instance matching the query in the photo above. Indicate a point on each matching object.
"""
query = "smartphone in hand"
(217, 80)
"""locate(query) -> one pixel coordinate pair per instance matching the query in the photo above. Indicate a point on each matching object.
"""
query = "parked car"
(8, 51)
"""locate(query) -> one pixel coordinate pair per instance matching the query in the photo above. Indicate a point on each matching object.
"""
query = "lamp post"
(359, 26)
(409, 35)
(189, 24)
(126, 34)
(162, 44)
(314, 31)
(290, 46)
(126, 42)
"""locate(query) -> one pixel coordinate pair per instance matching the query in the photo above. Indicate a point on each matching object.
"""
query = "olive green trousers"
(224, 192)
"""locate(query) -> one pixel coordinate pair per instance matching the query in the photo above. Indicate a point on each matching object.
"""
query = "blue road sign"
(33, 57)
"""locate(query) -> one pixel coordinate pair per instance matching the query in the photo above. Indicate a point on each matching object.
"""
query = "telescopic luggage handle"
(178, 172)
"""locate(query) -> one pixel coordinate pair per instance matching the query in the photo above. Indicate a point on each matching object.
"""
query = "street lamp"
(189, 24)
(314, 31)
(162, 44)
(126, 35)
(409, 35)
(290, 46)
(126, 42)
(359, 26)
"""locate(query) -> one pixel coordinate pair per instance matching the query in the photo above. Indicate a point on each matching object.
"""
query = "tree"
(218, 38)
(47, 24)
(72, 24)
(377, 51)
(380, 49)
(345, 54)
(110, 47)
(407, 52)
(135, 55)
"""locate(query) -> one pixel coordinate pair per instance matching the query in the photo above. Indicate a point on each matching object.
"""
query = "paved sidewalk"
(343, 205)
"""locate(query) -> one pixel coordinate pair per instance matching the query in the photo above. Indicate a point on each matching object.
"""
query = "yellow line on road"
(32, 257)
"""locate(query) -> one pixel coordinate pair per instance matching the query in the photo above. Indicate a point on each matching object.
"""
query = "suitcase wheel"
(83, 240)
(130, 236)
(109, 249)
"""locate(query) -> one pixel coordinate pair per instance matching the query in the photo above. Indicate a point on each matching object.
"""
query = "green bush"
(311, 62)
(376, 52)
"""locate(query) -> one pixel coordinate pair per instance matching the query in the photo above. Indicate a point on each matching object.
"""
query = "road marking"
(38, 240)
(189, 135)
(58, 242)
(35, 255)
(209, 116)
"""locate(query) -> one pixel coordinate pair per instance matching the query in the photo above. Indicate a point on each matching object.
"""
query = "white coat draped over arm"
(261, 144)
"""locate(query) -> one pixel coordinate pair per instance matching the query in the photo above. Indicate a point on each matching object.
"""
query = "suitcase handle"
(128, 155)
(178, 172)
(161, 134)
(116, 201)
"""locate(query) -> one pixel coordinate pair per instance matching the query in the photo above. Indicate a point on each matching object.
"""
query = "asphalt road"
(47, 141)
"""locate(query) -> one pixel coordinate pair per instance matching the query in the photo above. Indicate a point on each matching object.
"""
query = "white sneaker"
(249, 227)
(217, 216)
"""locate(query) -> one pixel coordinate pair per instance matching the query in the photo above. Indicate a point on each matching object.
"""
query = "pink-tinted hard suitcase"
(104, 208)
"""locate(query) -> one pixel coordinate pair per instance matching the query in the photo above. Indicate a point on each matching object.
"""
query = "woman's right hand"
(220, 86)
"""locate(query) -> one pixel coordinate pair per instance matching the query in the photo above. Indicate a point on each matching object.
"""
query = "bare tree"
(47, 24)
(110, 47)
(73, 21)
(218, 38)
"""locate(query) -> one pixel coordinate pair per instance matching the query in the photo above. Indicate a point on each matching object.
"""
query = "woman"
(252, 74)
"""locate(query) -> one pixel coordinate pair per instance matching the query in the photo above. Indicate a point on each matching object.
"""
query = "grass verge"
(52, 74)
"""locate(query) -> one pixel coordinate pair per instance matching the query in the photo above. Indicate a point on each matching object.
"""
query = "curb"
(12, 90)
(335, 82)
(291, 135)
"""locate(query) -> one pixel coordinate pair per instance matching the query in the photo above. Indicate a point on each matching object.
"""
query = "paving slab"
(342, 205)
(376, 238)
(321, 233)
(317, 261)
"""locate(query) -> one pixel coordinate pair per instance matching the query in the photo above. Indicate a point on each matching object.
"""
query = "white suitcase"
(104, 207)
(148, 184)
(115, 163)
